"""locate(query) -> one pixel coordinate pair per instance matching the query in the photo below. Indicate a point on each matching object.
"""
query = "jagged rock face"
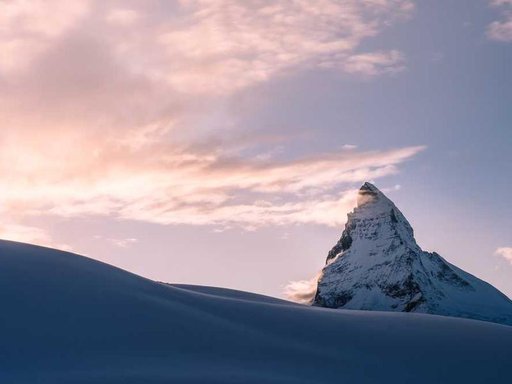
(377, 265)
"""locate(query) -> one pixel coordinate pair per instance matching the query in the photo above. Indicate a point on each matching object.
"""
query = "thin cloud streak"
(375, 63)
(505, 252)
(189, 188)
(501, 30)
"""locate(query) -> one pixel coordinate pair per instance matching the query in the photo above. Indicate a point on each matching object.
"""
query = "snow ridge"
(70, 319)
(377, 265)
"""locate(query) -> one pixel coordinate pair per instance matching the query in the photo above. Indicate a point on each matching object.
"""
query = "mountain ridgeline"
(377, 265)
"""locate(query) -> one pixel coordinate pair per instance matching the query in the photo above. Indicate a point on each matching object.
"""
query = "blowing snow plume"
(302, 291)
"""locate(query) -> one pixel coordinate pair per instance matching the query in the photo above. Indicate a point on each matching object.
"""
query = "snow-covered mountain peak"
(377, 265)
(369, 193)
(375, 223)
(372, 204)
(372, 201)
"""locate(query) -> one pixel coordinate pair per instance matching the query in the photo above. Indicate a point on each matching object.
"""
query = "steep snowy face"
(375, 223)
(377, 265)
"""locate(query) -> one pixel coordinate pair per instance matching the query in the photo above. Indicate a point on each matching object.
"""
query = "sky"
(221, 142)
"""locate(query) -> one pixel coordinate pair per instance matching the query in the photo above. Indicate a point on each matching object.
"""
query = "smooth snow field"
(69, 319)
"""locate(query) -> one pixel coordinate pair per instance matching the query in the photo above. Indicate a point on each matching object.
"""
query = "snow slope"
(377, 265)
(69, 319)
(232, 294)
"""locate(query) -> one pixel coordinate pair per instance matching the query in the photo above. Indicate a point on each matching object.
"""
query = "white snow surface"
(68, 319)
(377, 265)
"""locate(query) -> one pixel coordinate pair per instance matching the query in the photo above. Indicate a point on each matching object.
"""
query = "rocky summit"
(377, 265)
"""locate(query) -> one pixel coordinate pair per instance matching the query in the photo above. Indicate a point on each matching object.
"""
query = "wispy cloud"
(29, 234)
(497, 3)
(118, 242)
(375, 63)
(188, 188)
(103, 107)
(501, 30)
(203, 46)
(505, 252)
(23, 233)
(302, 291)
(228, 44)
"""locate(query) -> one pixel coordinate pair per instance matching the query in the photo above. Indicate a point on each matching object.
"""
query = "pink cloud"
(202, 46)
(30, 234)
(28, 28)
(227, 45)
(122, 16)
(102, 107)
(505, 252)
(154, 185)
(375, 63)
(501, 30)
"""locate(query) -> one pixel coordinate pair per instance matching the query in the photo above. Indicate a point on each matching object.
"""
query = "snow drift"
(69, 319)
